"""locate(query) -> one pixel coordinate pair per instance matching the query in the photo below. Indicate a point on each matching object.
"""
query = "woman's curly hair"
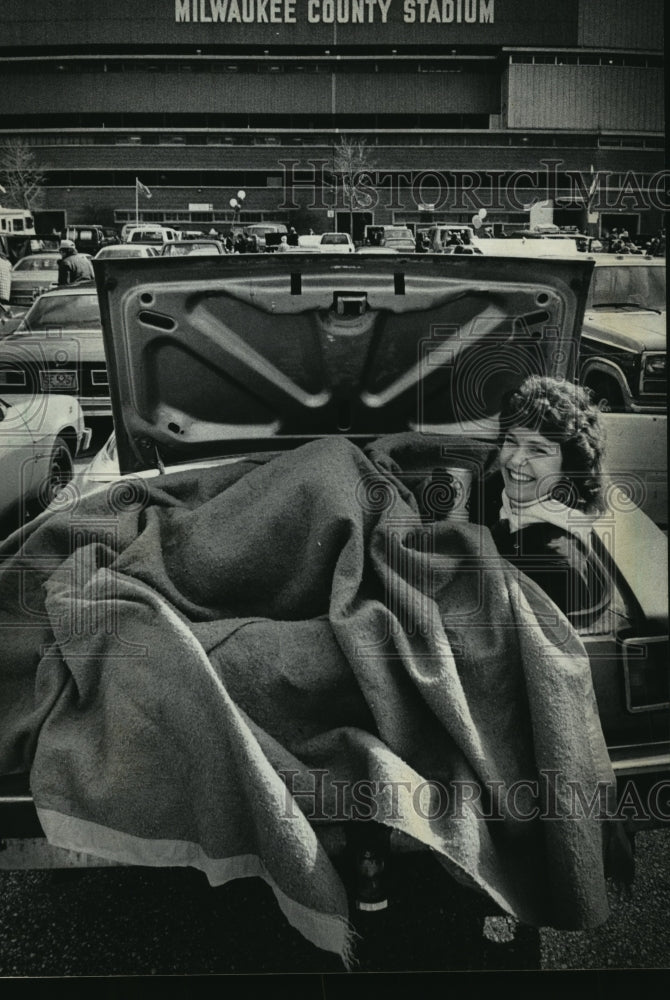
(564, 413)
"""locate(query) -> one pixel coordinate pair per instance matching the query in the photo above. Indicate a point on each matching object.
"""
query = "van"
(151, 234)
(87, 237)
(16, 220)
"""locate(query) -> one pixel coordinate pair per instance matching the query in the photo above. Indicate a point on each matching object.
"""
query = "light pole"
(236, 205)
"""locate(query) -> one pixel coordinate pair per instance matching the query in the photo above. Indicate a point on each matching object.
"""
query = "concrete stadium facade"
(463, 105)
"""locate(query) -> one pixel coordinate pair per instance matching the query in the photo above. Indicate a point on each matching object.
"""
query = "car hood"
(38, 412)
(629, 329)
(220, 356)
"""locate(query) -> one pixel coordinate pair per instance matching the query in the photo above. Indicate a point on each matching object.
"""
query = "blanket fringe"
(328, 931)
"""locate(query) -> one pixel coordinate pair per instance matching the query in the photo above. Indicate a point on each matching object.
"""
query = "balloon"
(476, 222)
(482, 213)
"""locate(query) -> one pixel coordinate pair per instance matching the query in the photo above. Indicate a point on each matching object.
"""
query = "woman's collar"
(546, 510)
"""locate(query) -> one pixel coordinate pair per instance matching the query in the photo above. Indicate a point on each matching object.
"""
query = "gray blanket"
(211, 670)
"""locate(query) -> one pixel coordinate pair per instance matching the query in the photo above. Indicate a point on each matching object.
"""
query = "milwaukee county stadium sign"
(394, 22)
(293, 23)
(334, 11)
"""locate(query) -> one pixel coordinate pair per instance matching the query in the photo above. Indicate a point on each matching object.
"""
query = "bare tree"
(353, 163)
(20, 175)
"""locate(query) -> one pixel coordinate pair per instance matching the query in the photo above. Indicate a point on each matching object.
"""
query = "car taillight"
(646, 674)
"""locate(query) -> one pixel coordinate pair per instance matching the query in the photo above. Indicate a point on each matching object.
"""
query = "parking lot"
(144, 922)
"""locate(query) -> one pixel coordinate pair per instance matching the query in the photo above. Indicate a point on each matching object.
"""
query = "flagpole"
(137, 206)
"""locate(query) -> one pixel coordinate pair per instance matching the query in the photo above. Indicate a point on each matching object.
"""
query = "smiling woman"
(550, 461)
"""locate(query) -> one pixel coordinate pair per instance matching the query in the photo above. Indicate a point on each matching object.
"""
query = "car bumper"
(658, 408)
(94, 406)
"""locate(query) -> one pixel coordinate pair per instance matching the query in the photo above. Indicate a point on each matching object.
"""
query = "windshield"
(334, 238)
(264, 230)
(37, 264)
(636, 284)
(183, 250)
(119, 252)
(62, 311)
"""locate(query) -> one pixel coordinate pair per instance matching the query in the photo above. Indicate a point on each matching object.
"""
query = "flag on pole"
(142, 188)
(593, 187)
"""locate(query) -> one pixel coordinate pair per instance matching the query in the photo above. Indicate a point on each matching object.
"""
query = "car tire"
(61, 471)
(606, 394)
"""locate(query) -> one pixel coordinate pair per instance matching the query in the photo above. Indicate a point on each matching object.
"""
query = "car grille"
(654, 386)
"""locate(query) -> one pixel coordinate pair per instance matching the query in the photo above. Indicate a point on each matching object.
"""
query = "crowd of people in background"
(620, 241)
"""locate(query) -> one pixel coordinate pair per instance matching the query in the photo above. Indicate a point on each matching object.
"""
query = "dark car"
(57, 347)
(220, 363)
(89, 238)
(624, 339)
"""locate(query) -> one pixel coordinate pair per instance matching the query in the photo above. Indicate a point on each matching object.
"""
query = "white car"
(32, 275)
(127, 250)
(40, 436)
(376, 250)
(335, 243)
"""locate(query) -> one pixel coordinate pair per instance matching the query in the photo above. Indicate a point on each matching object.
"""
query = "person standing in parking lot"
(73, 266)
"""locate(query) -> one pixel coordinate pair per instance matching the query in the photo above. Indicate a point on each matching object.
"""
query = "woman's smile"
(531, 465)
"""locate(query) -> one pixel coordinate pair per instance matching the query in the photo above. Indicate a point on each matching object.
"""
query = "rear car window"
(37, 264)
(66, 311)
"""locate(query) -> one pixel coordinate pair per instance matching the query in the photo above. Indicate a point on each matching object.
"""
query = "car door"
(17, 458)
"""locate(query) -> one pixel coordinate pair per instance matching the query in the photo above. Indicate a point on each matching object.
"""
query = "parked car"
(259, 230)
(629, 650)
(127, 250)
(157, 235)
(87, 238)
(111, 236)
(376, 250)
(214, 362)
(40, 436)
(624, 338)
(310, 241)
(57, 348)
(398, 238)
(335, 243)
(33, 275)
(181, 248)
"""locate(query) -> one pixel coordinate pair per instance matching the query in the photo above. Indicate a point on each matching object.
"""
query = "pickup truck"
(335, 243)
(220, 359)
(624, 349)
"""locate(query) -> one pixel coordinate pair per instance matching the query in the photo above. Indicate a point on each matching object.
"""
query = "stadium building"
(463, 105)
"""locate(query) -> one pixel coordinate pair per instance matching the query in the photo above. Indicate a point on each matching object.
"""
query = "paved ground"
(142, 922)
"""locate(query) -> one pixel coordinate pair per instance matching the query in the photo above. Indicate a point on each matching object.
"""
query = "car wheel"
(61, 471)
(606, 394)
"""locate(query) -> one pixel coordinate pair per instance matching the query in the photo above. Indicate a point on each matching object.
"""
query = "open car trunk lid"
(217, 356)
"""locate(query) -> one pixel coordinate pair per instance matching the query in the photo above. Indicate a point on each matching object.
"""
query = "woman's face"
(531, 464)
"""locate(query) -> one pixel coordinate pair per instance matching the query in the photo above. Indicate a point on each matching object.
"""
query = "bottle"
(369, 845)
